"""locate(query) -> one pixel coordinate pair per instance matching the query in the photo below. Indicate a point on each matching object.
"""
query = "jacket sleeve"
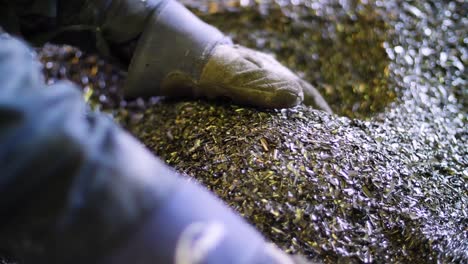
(66, 171)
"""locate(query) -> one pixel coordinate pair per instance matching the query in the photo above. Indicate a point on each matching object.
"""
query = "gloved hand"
(180, 55)
(172, 52)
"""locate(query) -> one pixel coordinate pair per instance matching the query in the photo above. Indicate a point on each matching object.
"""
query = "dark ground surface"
(383, 180)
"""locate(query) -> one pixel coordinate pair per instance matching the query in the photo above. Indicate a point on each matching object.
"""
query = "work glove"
(180, 55)
(171, 51)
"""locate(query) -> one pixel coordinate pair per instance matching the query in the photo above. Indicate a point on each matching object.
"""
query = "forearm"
(76, 174)
(170, 52)
(110, 26)
(115, 24)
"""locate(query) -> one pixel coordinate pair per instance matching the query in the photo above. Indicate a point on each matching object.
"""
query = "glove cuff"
(175, 40)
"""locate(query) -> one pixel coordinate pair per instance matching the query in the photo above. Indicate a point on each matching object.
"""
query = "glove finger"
(259, 58)
(229, 73)
(313, 98)
(256, 87)
(265, 61)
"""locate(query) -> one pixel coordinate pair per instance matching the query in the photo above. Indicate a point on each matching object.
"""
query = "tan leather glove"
(255, 78)
(180, 55)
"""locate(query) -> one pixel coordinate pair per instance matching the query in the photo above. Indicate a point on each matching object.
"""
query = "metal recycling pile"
(388, 186)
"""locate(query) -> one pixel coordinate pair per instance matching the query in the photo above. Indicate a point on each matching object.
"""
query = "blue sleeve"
(91, 191)
(48, 137)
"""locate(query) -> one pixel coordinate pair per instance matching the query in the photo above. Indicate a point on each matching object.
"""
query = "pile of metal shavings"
(99, 80)
(391, 186)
